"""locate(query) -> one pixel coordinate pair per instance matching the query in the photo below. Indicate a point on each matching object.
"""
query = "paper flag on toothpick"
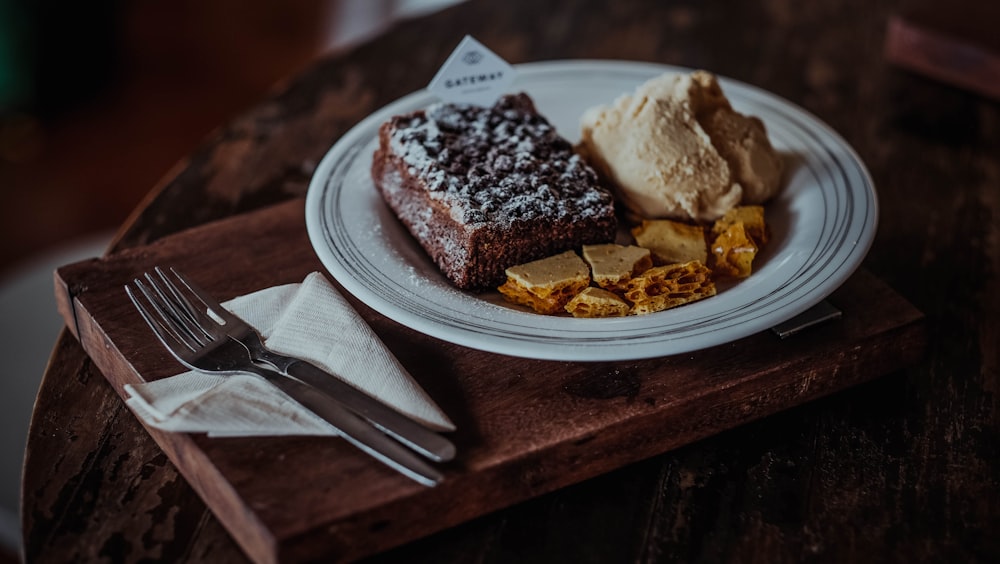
(472, 75)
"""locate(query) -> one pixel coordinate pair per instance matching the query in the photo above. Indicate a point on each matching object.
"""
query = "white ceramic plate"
(823, 223)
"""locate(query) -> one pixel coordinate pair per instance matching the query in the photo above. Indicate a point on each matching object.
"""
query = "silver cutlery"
(403, 428)
(208, 337)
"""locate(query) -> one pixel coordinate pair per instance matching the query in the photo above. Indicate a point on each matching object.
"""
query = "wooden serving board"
(525, 427)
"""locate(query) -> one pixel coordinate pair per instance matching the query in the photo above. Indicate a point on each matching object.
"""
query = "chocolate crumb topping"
(498, 165)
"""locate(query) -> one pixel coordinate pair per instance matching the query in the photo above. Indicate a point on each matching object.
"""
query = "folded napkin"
(310, 320)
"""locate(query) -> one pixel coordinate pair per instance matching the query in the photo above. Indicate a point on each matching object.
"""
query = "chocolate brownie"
(486, 188)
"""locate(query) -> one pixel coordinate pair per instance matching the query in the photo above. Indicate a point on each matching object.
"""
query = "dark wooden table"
(905, 468)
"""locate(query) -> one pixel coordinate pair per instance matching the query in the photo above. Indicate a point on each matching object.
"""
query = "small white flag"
(473, 75)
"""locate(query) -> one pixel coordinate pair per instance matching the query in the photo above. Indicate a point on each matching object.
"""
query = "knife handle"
(406, 430)
(356, 430)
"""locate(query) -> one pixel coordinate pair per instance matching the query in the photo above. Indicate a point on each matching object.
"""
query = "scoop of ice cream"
(742, 141)
(676, 149)
(659, 158)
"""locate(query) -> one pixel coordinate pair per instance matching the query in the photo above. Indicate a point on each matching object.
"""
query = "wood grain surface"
(903, 469)
(527, 429)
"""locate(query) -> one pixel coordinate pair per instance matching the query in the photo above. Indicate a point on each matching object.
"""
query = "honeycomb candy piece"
(597, 302)
(672, 242)
(548, 284)
(752, 218)
(664, 287)
(612, 265)
(733, 252)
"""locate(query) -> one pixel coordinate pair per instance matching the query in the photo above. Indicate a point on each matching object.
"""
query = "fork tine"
(174, 312)
(193, 316)
(158, 320)
(202, 309)
(207, 299)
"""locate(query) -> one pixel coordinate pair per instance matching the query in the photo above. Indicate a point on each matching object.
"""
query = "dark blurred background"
(100, 98)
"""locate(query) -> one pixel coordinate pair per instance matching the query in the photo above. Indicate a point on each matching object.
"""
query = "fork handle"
(409, 432)
(356, 430)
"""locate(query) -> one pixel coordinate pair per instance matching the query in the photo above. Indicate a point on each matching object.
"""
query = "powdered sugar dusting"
(499, 164)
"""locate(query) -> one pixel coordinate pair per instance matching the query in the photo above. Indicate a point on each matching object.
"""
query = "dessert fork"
(201, 342)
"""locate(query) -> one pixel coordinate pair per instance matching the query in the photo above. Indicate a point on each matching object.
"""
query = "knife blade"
(355, 430)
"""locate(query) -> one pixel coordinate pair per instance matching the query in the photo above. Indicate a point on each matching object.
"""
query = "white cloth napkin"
(311, 321)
